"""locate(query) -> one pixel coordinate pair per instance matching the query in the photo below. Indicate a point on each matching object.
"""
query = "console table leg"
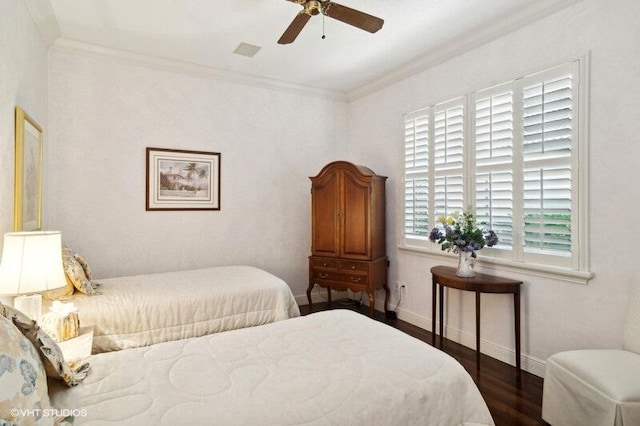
(434, 291)
(441, 316)
(477, 330)
(516, 306)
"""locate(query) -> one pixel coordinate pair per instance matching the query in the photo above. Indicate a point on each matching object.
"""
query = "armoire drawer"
(359, 279)
(346, 266)
(325, 264)
(320, 274)
(325, 275)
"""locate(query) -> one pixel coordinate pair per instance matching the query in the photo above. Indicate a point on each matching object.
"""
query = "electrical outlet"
(401, 287)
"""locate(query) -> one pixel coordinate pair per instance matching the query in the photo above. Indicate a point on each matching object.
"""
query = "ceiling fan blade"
(294, 28)
(353, 17)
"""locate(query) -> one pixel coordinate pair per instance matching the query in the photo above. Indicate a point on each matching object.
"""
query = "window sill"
(546, 271)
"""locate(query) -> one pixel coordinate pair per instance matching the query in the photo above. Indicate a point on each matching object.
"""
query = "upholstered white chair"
(598, 387)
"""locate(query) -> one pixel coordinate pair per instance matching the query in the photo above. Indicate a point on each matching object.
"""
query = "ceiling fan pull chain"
(323, 36)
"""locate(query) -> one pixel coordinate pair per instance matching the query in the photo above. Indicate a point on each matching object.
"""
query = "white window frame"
(578, 268)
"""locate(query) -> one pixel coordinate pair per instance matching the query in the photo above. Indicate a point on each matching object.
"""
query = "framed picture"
(27, 211)
(182, 180)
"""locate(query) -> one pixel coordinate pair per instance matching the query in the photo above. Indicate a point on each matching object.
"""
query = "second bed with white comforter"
(142, 310)
(334, 367)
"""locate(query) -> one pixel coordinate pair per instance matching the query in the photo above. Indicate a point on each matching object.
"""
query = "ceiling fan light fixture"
(312, 7)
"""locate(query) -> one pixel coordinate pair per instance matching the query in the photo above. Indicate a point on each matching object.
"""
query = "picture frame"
(182, 180)
(27, 214)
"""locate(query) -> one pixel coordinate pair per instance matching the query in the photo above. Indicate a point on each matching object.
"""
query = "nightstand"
(79, 347)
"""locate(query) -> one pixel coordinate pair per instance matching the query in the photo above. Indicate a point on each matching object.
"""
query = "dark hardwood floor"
(511, 401)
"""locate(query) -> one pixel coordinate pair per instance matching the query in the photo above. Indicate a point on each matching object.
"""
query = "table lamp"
(31, 264)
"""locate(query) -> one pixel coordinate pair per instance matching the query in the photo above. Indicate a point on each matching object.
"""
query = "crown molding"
(45, 20)
(63, 45)
(472, 39)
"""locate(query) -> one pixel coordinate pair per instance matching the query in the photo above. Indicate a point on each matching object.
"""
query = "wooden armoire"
(348, 231)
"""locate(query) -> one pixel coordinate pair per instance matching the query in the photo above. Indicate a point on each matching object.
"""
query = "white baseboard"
(507, 355)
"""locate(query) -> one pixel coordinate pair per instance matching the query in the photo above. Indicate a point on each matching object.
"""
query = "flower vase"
(465, 269)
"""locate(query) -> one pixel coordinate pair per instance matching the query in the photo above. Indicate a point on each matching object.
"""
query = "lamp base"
(7, 300)
(30, 305)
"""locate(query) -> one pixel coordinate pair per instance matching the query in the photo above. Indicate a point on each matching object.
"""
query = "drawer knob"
(323, 275)
(324, 264)
(353, 266)
(355, 279)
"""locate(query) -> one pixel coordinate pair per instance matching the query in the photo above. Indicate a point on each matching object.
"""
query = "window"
(512, 152)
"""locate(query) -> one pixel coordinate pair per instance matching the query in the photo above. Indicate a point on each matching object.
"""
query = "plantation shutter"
(547, 138)
(494, 161)
(448, 158)
(416, 179)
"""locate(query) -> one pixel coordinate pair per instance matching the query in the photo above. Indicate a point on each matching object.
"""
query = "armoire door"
(356, 234)
(325, 216)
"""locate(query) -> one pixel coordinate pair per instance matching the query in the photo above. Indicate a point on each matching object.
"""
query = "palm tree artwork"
(184, 179)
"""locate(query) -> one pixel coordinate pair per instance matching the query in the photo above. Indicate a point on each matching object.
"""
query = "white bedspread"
(145, 309)
(334, 367)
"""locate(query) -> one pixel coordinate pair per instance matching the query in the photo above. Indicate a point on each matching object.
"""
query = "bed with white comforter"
(142, 310)
(334, 367)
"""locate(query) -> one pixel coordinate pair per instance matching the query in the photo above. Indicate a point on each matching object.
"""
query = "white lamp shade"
(31, 263)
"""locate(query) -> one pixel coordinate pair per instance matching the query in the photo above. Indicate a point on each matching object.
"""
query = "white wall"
(556, 315)
(23, 82)
(105, 110)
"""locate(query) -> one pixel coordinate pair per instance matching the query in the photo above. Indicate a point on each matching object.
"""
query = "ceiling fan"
(345, 14)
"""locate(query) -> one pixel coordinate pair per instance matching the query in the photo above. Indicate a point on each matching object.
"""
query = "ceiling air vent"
(246, 49)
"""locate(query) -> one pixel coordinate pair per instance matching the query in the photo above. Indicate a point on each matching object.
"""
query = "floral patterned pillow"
(85, 266)
(23, 383)
(52, 357)
(76, 273)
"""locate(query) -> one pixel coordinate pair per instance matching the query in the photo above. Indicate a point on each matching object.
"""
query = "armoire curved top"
(346, 164)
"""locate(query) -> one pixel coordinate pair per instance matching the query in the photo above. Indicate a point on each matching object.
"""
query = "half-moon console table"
(445, 276)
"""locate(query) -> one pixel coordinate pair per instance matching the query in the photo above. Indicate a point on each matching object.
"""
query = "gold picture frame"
(27, 212)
